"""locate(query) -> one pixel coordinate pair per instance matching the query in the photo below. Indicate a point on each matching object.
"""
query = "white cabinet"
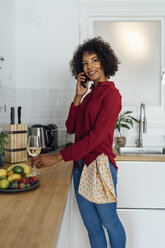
(72, 233)
(141, 208)
(144, 228)
(65, 235)
(141, 184)
(141, 203)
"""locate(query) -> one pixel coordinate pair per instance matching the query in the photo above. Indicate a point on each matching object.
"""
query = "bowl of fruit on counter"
(17, 179)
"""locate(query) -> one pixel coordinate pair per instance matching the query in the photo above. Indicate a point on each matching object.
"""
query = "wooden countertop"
(140, 157)
(32, 218)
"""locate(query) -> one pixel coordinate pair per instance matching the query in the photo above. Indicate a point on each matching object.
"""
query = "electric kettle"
(48, 135)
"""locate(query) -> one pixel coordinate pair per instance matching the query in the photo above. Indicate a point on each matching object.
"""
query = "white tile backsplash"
(37, 93)
(40, 106)
(63, 103)
(27, 102)
(61, 93)
(46, 106)
(60, 122)
(9, 91)
(59, 112)
(10, 101)
(47, 102)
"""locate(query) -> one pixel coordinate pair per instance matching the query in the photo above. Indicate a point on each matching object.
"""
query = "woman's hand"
(80, 90)
(46, 160)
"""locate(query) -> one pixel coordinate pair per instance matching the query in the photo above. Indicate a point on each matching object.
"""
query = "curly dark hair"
(102, 49)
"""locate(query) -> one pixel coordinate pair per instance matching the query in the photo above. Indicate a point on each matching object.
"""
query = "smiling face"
(92, 67)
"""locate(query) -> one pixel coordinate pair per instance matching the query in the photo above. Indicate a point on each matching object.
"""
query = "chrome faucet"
(142, 125)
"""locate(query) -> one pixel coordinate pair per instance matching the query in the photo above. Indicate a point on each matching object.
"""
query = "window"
(137, 43)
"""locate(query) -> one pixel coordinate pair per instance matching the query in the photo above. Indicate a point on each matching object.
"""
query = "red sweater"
(93, 123)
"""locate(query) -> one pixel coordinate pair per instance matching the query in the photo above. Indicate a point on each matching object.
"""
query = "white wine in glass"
(34, 149)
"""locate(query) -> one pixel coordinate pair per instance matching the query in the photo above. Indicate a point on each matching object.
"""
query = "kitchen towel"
(96, 183)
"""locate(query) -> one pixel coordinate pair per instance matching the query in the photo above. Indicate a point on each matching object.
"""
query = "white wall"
(43, 36)
(91, 11)
(7, 42)
(47, 33)
(121, 1)
(7, 51)
(38, 41)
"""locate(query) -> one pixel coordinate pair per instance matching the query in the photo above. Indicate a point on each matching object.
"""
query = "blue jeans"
(95, 215)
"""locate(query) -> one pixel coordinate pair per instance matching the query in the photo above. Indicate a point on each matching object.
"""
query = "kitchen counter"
(140, 157)
(32, 218)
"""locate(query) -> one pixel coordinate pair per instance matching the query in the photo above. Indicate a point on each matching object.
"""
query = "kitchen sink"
(141, 150)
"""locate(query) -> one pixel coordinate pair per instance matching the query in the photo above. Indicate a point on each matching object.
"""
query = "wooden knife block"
(16, 149)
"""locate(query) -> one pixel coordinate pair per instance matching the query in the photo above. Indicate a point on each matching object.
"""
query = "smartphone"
(83, 83)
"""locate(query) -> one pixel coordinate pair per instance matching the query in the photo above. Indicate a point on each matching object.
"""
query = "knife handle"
(12, 115)
(19, 115)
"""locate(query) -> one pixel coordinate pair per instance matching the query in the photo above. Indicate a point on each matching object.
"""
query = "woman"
(93, 121)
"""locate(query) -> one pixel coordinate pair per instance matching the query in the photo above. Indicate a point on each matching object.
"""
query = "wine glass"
(34, 149)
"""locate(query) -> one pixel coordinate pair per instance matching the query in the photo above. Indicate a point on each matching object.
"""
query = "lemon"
(3, 172)
(4, 184)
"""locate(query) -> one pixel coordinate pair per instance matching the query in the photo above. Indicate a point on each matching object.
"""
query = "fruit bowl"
(8, 190)
(17, 179)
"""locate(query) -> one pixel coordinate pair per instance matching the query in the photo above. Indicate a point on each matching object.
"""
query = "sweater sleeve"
(72, 117)
(105, 124)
